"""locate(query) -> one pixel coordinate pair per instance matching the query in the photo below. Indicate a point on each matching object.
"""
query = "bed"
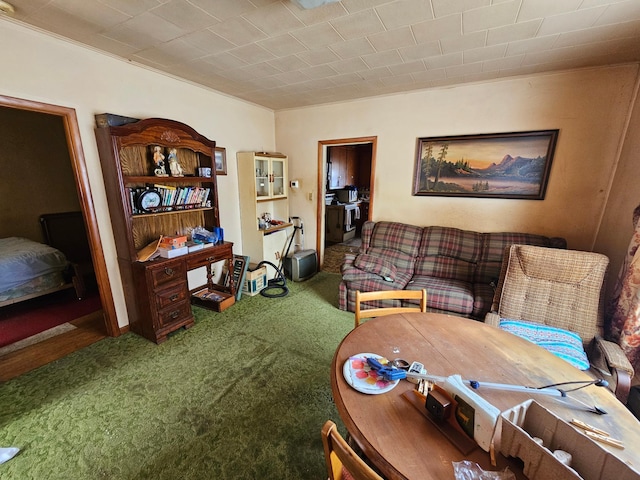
(30, 269)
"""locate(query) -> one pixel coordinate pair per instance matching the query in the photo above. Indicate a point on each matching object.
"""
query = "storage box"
(173, 252)
(254, 281)
(515, 433)
(212, 299)
(173, 241)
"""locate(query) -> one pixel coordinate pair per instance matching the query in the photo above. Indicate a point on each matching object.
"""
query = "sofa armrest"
(493, 319)
(609, 359)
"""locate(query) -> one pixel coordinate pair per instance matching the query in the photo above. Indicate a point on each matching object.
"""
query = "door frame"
(322, 184)
(79, 167)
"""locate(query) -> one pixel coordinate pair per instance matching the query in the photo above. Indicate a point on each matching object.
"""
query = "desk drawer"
(174, 314)
(209, 255)
(171, 296)
(168, 272)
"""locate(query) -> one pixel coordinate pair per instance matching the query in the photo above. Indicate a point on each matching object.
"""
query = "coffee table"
(403, 444)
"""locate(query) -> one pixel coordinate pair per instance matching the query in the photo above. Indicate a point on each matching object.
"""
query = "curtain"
(624, 308)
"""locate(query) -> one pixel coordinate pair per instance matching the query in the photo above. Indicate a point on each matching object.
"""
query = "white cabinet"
(262, 181)
(270, 177)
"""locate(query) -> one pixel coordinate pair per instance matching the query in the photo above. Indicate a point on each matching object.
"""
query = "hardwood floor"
(89, 329)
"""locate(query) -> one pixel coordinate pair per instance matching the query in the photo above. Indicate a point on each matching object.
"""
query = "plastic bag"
(203, 235)
(466, 470)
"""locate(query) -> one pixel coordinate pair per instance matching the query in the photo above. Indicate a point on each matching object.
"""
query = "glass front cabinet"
(271, 177)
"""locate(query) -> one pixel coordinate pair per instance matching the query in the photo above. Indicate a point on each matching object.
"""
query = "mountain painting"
(508, 165)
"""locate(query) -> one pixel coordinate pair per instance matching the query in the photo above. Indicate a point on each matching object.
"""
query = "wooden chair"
(389, 295)
(340, 457)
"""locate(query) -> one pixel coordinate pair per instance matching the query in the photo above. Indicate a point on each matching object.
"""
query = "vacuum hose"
(279, 282)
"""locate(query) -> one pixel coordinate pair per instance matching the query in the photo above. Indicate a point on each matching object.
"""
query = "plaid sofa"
(458, 268)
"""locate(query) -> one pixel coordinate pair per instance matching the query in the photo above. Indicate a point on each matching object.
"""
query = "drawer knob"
(168, 271)
(175, 314)
(210, 259)
(174, 297)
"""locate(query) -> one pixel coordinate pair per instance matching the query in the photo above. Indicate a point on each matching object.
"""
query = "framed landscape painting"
(500, 165)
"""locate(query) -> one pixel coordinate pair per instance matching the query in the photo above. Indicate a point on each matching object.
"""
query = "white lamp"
(308, 4)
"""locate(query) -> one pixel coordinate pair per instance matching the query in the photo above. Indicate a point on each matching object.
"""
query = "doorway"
(67, 116)
(346, 169)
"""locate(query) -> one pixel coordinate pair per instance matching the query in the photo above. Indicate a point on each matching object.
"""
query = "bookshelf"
(148, 200)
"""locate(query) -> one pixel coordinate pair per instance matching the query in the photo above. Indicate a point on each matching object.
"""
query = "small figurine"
(158, 159)
(174, 166)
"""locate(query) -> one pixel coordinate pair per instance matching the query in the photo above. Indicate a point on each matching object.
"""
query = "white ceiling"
(276, 54)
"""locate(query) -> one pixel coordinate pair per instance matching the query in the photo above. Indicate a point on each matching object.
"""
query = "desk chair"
(561, 289)
(388, 295)
(340, 457)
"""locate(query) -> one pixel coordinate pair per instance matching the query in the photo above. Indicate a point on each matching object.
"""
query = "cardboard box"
(173, 241)
(515, 433)
(254, 281)
(173, 252)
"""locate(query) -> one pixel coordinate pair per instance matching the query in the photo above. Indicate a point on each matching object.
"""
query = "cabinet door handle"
(174, 297)
(168, 271)
(210, 259)
(175, 314)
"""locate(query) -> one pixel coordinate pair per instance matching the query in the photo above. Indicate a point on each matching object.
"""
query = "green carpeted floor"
(241, 395)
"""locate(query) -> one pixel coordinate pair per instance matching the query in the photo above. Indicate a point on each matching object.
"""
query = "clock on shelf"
(148, 200)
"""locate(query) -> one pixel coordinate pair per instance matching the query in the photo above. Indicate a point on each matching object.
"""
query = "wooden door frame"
(79, 167)
(322, 184)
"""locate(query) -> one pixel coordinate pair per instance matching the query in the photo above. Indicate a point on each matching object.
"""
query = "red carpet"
(28, 318)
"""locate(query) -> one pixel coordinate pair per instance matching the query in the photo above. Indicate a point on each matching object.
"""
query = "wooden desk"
(403, 444)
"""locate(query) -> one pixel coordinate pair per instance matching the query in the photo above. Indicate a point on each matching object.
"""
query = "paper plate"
(362, 378)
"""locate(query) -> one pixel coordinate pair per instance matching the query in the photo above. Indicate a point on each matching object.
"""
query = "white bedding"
(22, 260)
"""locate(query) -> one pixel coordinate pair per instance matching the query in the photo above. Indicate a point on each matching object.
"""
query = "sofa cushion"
(450, 295)
(395, 236)
(562, 343)
(483, 298)
(448, 253)
(494, 244)
(377, 266)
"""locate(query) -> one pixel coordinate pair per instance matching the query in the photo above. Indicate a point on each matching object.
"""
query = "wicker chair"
(562, 289)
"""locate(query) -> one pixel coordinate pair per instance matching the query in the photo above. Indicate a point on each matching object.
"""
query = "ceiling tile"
(354, 6)
(291, 77)
(418, 52)
(273, 19)
(238, 31)
(531, 9)
(185, 15)
(317, 15)
(142, 29)
(282, 45)
(434, 30)
(444, 61)
(514, 32)
(224, 61)
(404, 12)
(289, 63)
(317, 36)
(442, 8)
(485, 53)
(358, 25)
(208, 42)
(502, 63)
(460, 70)
(532, 45)
(392, 39)
(349, 65)
(353, 48)
(405, 79)
(97, 14)
(318, 57)
(319, 71)
(621, 12)
(490, 17)
(599, 34)
(390, 57)
(127, 6)
(570, 21)
(253, 53)
(223, 9)
(259, 70)
(463, 42)
(412, 67)
(430, 75)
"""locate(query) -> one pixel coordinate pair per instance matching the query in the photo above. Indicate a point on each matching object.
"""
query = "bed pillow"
(376, 265)
(562, 343)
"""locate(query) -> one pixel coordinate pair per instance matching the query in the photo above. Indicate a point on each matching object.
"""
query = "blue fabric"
(562, 343)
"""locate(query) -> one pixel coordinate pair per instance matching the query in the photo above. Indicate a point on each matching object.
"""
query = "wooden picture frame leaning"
(499, 165)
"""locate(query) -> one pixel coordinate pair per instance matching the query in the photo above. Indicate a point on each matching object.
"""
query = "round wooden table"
(403, 444)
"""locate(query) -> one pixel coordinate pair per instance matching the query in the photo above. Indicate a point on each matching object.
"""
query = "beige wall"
(617, 225)
(42, 68)
(589, 107)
